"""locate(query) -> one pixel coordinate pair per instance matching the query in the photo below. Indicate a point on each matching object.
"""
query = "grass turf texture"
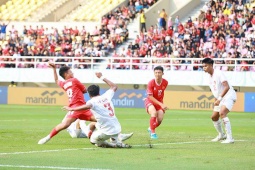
(184, 142)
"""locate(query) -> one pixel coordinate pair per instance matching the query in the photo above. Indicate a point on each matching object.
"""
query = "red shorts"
(147, 103)
(81, 114)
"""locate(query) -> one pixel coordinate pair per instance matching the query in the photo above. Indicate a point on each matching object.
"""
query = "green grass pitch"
(184, 142)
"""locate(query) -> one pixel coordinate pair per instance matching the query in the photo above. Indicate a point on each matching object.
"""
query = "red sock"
(53, 133)
(153, 123)
(89, 134)
(157, 124)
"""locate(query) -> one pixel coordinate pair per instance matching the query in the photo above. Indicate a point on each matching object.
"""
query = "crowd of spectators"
(70, 41)
(224, 29)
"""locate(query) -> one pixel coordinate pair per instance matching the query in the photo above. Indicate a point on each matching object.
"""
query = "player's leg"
(88, 115)
(63, 125)
(99, 139)
(227, 105)
(91, 128)
(74, 129)
(153, 121)
(119, 144)
(123, 137)
(217, 124)
(160, 117)
(84, 129)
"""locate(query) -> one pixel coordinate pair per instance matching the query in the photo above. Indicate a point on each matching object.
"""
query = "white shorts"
(98, 137)
(229, 100)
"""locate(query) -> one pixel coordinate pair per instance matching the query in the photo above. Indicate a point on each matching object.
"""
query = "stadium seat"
(3, 7)
(6, 16)
(13, 8)
(14, 16)
(14, 1)
(87, 12)
(8, 4)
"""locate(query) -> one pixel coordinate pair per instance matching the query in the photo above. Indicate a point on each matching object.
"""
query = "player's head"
(208, 65)
(158, 72)
(65, 72)
(93, 90)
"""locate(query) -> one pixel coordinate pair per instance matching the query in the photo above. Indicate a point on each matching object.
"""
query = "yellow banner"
(197, 101)
(37, 96)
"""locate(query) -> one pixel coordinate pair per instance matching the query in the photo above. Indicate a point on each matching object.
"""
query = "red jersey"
(157, 90)
(74, 90)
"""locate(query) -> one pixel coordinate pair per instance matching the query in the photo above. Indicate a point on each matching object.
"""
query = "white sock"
(84, 127)
(218, 127)
(227, 127)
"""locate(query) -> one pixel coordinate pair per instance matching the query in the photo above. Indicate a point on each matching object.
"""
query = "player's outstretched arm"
(52, 65)
(83, 107)
(113, 86)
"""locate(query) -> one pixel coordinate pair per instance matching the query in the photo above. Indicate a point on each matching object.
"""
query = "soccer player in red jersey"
(74, 90)
(154, 101)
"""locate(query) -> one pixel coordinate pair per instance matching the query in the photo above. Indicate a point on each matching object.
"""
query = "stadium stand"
(87, 12)
(223, 30)
(19, 9)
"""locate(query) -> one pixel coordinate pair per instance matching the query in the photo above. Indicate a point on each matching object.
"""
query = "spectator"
(143, 21)
(13, 84)
(163, 19)
(3, 31)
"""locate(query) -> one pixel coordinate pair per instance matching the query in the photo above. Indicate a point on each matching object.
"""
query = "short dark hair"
(207, 61)
(93, 90)
(63, 70)
(159, 68)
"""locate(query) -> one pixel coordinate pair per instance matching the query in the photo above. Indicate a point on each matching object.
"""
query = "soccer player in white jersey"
(225, 97)
(107, 125)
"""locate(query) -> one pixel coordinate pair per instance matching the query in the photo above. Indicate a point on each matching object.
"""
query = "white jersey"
(104, 113)
(216, 86)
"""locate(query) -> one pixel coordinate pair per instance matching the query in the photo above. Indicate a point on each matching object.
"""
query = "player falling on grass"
(79, 129)
(107, 125)
(225, 97)
(74, 90)
(154, 101)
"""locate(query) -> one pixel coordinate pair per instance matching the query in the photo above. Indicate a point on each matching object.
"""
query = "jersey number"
(69, 94)
(108, 106)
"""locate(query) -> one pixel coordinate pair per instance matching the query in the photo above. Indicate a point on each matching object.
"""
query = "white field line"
(46, 151)
(18, 120)
(74, 149)
(13, 120)
(21, 120)
(47, 167)
(178, 143)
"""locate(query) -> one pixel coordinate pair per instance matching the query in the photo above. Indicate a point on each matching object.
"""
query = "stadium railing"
(181, 64)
